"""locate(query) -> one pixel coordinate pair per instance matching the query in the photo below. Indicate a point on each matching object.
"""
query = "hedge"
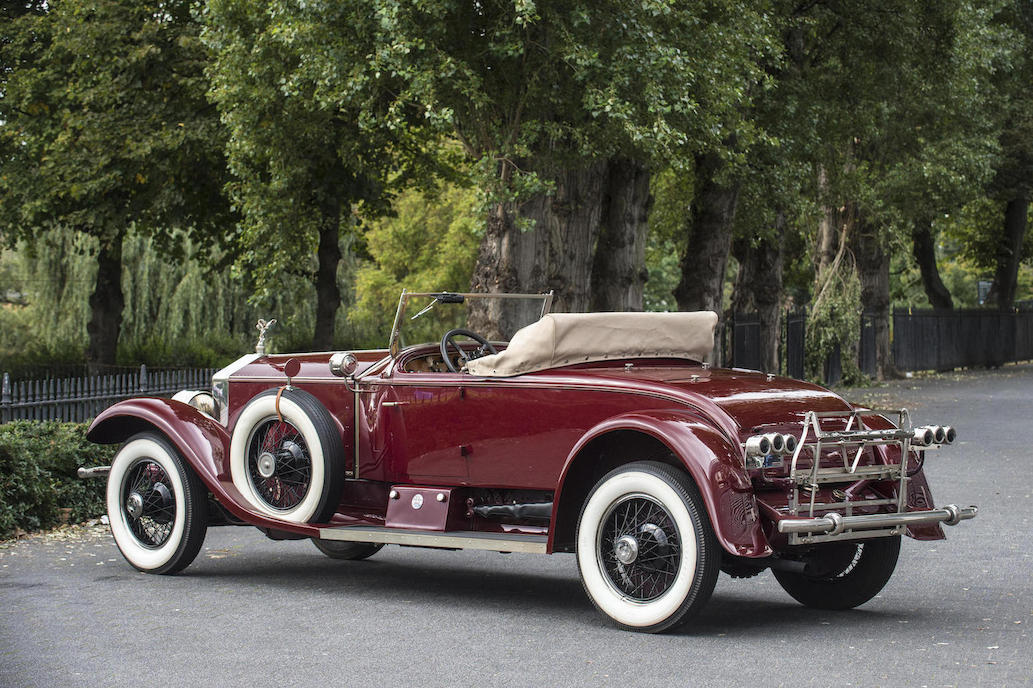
(38, 463)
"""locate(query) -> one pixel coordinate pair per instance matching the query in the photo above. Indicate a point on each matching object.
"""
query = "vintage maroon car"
(600, 434)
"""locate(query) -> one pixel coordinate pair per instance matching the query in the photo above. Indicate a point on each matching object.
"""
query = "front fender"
(713, 462)
(202, 441)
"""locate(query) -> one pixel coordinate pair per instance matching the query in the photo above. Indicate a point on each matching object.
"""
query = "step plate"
(492, 542)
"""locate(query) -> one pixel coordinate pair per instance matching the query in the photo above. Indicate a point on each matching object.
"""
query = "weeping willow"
(176, 312)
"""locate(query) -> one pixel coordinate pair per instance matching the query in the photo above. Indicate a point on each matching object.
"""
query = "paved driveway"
(251, 612)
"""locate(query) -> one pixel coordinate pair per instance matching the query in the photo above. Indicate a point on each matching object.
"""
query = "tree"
(1013, 181)
(104, 125)
(565, 107)
(312, 143)
(429, 244)
(896, 94)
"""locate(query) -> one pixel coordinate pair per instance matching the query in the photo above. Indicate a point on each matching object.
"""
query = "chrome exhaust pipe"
(790, 443)
(778, 443)
(939, 436)
(923, 436)
(950, 433)
(758, 445)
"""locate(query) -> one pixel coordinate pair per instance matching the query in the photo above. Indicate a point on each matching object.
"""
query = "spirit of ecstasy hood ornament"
(263, 327)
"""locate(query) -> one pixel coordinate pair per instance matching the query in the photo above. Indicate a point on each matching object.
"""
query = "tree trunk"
(555, 253)
(924, 249)
(829, 228)
(1009, 254)
(709, 230)
(328, 295)
(758, 288)
(873, 269)
(106, 304)
(619, 271)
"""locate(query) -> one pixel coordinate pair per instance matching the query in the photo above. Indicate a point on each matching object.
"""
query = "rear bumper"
(835, 524)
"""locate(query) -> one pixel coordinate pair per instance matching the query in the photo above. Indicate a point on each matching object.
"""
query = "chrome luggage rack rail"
(803, 527)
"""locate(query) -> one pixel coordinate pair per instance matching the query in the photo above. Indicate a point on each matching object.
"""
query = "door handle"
(393, 403)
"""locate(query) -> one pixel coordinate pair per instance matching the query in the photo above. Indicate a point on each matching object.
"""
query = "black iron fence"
(742, 346)
(942, 340)
(920, 340)
(79, 398)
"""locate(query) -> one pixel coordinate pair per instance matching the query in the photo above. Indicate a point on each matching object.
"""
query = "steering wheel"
(484, 349)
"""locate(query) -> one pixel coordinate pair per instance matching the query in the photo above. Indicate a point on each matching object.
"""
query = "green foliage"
(429, 245)
(976, 229)
(529, 87)
(310, 144)
(834, 319)
(105, 124)
(177, 313)
(672, 192)
(38, 462)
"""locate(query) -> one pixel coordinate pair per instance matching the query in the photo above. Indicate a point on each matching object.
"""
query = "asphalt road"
(252, 612)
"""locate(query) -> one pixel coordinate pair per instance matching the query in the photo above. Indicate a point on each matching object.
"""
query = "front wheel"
(156, 505)
(846, 574)
(646, 552)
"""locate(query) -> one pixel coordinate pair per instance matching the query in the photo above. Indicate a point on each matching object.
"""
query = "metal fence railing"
(79, 398)
(920, 340)
(942, 340)
(744, 346)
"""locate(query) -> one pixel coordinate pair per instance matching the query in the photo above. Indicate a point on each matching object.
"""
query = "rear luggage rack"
(804, 527)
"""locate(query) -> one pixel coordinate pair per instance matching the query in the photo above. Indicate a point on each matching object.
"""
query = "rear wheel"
(337, 549)
(847, 574)
(646, 552)
(156, 505)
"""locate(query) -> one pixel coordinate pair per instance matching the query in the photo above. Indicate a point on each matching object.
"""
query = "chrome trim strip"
(232, 368)
(835, 524)
(474, 382)
(492, 542)
(355, 422)
(221, 385)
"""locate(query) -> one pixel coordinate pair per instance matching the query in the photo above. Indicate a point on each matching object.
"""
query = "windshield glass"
(425, 317)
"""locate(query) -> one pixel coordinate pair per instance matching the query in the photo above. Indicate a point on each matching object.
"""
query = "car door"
(423, 426)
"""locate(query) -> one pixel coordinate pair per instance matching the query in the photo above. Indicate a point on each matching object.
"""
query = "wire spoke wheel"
(150, 505)
(639, 548)
(287, 456)
(279, 464)
(646, 552)
(157, 505)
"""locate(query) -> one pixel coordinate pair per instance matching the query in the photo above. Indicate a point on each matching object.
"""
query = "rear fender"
(201, 440)
(705, 453)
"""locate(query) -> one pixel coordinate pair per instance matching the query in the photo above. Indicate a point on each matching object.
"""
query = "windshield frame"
(394, 344)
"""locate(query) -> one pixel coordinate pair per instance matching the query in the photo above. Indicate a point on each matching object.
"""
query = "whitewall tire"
(646, 552)
(157, 505)
(287, 458)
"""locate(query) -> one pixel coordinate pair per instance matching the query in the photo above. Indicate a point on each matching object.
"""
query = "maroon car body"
(450, 459)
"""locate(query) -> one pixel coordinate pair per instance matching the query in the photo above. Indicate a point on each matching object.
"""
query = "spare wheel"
(287, 457)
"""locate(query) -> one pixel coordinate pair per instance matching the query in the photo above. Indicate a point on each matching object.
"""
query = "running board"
(467, 539)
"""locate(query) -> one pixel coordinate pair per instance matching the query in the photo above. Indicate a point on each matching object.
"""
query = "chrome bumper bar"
(835, 524)
(94, 472)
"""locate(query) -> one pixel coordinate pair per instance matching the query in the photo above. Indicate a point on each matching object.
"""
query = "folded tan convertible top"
(561, 339)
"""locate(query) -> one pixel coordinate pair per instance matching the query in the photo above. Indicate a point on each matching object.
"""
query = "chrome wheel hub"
(626, 549)
(266, 465)
(134, 505)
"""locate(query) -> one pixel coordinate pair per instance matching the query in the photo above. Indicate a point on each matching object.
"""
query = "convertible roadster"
(600, 434)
